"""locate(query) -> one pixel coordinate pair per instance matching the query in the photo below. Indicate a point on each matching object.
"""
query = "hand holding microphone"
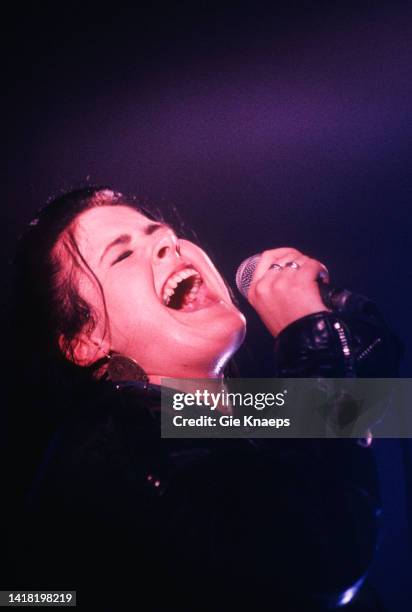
(283, 285)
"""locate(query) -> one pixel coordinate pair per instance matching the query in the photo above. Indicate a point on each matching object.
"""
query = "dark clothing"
(133, 521)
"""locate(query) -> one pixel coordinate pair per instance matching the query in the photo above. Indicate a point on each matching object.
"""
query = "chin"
(232, 328)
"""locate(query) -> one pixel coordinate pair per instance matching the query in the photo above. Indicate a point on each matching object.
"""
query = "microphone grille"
(245, 273)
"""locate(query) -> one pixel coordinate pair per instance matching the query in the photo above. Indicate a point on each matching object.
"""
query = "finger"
(269, 267)
(270, 257)
(286, 265)
(316, 267)
(308, 270)
(274, 278)
(294, 262)
(304, 274)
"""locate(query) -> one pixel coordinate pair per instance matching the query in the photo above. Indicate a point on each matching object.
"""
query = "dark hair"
(46, 304)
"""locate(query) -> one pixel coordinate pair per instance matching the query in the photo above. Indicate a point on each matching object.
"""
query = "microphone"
(333, 297)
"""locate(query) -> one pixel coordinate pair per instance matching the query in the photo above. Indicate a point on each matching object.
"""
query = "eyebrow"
(126, 238)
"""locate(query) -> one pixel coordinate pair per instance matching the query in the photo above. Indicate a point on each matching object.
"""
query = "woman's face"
(168, 308)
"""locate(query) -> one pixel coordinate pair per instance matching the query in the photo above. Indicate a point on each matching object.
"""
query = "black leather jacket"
(125, 517)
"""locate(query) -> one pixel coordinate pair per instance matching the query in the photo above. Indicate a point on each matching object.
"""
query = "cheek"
(126, 309)
(134, 314)
(125, 293)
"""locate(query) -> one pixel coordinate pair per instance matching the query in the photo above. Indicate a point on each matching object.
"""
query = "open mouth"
(183, 290)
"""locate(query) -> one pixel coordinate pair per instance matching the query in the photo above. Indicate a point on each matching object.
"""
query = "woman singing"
(108, 301)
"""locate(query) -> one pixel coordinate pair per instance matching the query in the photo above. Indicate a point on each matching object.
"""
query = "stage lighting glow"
(348, 595)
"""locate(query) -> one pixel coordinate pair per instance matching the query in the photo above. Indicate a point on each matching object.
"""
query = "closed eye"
(122, 256)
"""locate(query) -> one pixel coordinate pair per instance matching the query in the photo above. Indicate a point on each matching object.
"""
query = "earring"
(122, 368)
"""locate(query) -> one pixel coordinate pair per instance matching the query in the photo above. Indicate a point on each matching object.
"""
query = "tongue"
(202, 300)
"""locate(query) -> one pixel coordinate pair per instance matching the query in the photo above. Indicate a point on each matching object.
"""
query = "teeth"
(177, 278)
(188, 272)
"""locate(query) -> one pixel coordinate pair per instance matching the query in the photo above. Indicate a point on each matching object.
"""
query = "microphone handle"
(333, 297)
(340, 300)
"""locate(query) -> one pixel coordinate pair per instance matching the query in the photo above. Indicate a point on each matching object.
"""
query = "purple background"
(265, 126)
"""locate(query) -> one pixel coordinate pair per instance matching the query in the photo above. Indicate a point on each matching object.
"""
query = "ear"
(84, 350)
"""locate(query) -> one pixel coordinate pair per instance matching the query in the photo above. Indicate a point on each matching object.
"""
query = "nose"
(166, 245)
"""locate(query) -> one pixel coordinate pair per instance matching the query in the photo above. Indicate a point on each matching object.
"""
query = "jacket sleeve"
(351, 341)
